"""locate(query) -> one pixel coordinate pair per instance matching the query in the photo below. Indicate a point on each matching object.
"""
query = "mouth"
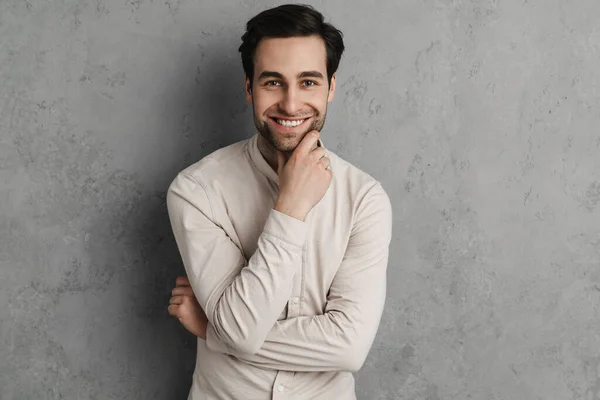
(287, 124)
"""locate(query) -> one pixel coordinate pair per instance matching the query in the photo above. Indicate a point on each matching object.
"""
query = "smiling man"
(285, 245)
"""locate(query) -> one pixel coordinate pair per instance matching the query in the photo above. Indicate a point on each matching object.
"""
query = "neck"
(269, 153)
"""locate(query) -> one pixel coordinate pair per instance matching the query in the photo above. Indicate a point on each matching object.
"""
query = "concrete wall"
(480, 117)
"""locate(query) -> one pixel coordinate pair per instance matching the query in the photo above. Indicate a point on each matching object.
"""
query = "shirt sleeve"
(242, 300)
(340, 339)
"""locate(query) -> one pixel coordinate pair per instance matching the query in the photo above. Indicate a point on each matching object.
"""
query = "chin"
(287, 142)
(286, 145)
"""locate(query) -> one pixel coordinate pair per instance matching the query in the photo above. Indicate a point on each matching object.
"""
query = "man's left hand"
(184, 306)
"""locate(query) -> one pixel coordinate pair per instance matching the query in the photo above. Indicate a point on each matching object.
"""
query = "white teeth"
(285, 122)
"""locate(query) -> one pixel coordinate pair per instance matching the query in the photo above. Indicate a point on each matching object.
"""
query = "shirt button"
(280, 388)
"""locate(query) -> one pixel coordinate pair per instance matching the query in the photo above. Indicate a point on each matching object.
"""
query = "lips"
(289, 123)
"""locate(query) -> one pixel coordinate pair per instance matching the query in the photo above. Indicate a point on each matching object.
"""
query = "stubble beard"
(287, 145)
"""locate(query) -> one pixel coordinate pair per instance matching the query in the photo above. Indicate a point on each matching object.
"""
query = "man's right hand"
(304, 178)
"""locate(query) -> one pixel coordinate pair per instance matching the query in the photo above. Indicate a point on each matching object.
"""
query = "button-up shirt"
(293, 306)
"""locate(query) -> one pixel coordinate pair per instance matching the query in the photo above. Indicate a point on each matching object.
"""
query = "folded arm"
(242, 300)
(341, 338)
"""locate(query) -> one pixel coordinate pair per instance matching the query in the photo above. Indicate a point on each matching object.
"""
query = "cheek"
(318, 102)
(265, 100)
(318, 98)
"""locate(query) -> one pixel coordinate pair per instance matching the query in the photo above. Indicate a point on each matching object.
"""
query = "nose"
(291, 102)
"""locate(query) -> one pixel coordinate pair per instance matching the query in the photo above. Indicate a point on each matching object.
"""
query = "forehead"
(289, 56)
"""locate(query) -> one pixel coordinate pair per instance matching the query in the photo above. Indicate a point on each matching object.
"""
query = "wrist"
(290, 209)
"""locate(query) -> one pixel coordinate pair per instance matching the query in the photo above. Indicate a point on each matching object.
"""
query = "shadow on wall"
(157, 354)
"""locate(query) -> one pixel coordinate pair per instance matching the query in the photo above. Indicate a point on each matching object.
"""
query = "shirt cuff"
(286, 228)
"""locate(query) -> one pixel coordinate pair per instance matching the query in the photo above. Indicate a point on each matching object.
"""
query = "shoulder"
(369, 200)
(219, 162)
(354, 180)
(218, 165)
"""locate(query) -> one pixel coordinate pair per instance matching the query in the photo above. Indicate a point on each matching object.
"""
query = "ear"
(331, 89)
(248, 89)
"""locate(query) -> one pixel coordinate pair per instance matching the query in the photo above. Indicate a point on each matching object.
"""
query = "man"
(284, 243)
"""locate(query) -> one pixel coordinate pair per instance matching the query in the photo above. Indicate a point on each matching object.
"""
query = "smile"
(289, 123)
(286, 122)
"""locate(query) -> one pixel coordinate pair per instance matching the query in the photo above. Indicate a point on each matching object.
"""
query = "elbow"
(353, 353)
(353, 343)
(353, 360)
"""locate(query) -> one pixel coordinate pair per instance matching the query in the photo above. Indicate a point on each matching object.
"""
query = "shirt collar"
(259, 161)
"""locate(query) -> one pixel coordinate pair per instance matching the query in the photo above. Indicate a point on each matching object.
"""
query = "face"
(290, 92)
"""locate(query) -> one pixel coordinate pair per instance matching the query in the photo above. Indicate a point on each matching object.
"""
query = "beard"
(287, 144)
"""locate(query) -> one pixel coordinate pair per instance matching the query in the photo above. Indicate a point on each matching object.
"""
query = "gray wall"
(480, 117)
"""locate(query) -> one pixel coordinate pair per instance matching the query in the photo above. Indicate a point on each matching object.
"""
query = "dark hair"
(291, 20)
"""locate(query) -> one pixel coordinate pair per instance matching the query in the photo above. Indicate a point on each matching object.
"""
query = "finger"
(308, 142)
(173, 310)
(176, 300)
(325, 162)
(182, 281)
(318, 153)
(183, 291)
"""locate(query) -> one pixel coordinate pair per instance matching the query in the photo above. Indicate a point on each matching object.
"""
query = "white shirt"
(293, 306)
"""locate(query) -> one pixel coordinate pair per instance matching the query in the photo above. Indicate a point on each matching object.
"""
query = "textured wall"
(480, 117)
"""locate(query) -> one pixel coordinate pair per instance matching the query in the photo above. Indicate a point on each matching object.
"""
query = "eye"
(309, 83)
(272, 83)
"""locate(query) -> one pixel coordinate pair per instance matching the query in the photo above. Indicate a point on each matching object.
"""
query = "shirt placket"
(283, 379)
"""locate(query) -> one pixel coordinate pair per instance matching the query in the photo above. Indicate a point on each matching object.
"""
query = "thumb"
(280, 162)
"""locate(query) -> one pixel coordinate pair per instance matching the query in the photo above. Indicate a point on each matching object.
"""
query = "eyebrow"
(310, 74)
(305, 74)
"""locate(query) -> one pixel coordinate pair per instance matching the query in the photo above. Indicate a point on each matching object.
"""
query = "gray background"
(480, 117)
